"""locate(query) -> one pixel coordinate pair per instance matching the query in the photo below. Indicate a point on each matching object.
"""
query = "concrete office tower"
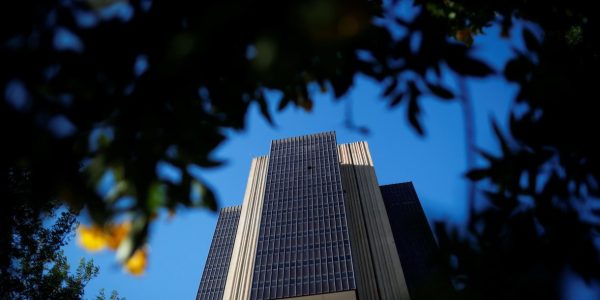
(313, 225)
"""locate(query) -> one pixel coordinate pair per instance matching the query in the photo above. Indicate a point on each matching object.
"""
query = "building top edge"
(305, 136)
(397, 183)
(352, 143)
(231, 208)
(260, 156)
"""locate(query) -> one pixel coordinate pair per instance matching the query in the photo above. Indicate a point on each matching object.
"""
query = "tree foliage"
(113, 89)
(114, 295)
(541, 194)
(33, 265)
(105, 90)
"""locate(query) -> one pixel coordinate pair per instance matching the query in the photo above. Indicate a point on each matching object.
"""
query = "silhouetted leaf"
(414, 110)
(306, 104)
(210, 162)
(208, 198)
(531, 41)
(264, 109)
(390, 88)
(470, 67)
(440, 91)
(488, 156)
(478, 174)
(396, 99)
(283, 103)
(517, 69)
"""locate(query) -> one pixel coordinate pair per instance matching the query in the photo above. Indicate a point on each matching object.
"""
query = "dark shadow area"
(418, 251)
(99, 95)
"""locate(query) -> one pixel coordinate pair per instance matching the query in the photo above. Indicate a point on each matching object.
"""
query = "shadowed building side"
(415, 242)
(216, 268)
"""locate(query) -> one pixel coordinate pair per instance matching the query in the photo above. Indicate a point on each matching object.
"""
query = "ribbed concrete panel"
(366, 283)
(384, 257)
(239, 279)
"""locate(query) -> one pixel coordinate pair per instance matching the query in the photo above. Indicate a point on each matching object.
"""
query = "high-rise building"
(314, 225)
(219, 255)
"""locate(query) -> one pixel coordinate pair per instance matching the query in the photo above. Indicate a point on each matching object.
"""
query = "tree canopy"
(32, 264)
(107, 90)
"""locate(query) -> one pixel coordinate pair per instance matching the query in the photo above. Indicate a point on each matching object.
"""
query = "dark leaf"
(396, 99)
(390, 88)
(264, 109)
(210, 162)
(306, 104)
(283, 103)
(531, 41)
(341, 84)
(488, 156)
(208, 198)
(468, 66)
(506, 150)
(440, 91)
(517, 69)
(414, 110)
(477, 174)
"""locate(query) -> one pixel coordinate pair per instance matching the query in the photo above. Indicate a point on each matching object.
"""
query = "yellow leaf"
(116, 233)
(91, 238)
(136, 265)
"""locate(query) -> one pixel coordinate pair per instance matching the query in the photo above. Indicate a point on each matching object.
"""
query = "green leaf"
(156, 196)
(208, 198)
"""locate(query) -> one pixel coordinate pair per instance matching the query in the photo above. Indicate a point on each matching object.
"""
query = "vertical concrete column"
(369, 221)
(366, 281)
(241, 267)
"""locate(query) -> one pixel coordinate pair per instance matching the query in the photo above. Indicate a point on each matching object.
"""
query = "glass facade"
(303, 245)
(213, 279)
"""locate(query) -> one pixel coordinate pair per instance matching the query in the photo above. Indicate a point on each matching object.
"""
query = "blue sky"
(435, 164)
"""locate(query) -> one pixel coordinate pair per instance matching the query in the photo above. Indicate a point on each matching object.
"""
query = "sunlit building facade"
(217, 263)
(314, 225)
